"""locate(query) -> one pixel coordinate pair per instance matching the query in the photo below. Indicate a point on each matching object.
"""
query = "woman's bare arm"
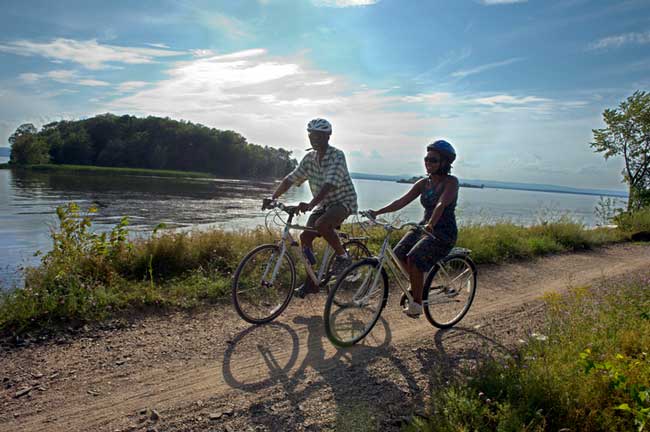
(404, 200)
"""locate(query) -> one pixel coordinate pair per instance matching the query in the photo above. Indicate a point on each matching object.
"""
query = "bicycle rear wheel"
(449, 290)
(257, 295)
(355, 303)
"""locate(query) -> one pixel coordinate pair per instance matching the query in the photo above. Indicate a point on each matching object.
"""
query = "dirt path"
(211, 371)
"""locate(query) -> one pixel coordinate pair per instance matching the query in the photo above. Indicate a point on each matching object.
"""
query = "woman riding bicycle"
(438, 194)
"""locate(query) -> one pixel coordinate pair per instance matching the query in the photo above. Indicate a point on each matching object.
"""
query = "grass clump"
(590, 371)
(506, 241)
(634, 223)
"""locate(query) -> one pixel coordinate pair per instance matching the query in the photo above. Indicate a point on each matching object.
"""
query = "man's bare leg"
(307, 239)
(329, 234)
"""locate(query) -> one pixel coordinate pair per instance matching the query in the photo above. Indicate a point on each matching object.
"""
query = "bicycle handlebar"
(389, 226)
(270, 204)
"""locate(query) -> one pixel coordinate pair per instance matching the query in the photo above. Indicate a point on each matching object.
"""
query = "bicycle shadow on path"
(322, 386)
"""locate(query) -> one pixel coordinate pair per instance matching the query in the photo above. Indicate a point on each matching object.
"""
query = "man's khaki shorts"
(334, 216)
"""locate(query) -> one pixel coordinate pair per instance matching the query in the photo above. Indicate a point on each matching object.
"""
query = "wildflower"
(539, 337)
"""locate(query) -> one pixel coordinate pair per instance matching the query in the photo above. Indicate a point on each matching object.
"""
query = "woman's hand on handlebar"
(370, 214)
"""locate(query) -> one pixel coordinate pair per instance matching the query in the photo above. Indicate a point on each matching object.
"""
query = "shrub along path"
(208, 370)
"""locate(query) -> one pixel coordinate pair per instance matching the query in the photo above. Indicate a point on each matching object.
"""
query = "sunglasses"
(431, 159)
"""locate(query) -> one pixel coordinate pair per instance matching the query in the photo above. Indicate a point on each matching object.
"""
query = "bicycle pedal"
(300, 292)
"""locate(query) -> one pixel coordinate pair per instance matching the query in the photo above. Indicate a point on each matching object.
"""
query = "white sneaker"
(414, 310)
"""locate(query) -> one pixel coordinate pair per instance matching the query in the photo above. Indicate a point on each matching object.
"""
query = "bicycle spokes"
(450, 291)
(354, 304)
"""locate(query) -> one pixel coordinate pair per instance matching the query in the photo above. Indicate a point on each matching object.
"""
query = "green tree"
(77, 147)
(628, 135)
(27, 147)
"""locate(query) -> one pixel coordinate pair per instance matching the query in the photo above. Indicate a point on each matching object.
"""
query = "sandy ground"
(210, 371)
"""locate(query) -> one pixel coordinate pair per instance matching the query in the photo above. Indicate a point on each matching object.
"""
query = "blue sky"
(516, 86)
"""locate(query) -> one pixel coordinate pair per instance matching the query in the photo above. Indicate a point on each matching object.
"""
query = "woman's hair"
(445, 166)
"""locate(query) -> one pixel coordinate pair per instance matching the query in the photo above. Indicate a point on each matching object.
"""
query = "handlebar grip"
(266, 203)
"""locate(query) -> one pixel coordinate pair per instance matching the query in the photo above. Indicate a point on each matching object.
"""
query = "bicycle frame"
(287, 240)
(389, 260)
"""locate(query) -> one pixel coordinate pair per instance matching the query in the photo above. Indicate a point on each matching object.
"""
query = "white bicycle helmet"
(320, 125)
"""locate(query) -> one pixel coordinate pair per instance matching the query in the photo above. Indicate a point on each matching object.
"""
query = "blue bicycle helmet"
(443, 147)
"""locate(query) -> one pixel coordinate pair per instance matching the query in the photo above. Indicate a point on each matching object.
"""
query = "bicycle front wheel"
(449, 290)
(355, 303)
(263, 284)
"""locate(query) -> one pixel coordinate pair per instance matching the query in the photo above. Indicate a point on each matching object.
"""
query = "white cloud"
(501, 2)
(428, 98)
(622, 39)
(128, 86)
(231, 27)
(202, 52)
(510, 100)
(479, 69)
(62, 76)
(343, 3)
(89, 53)
(270, 99)
(158, 45)
(92, 83)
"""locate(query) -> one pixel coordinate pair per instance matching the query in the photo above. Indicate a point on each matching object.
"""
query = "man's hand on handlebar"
(266, 203)
(304, 207)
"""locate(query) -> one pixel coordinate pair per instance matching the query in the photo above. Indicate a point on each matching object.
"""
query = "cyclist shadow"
(454, 351)
(342, 377)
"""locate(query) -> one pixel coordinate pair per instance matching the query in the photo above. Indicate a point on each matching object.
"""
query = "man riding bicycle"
(334, 197)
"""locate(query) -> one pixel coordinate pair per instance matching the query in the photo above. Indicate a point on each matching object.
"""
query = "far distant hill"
(5, 151)
(506, 185)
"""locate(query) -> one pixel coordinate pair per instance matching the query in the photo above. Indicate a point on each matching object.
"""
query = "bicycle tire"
(438, 292)
(243, 303)
(333, 308)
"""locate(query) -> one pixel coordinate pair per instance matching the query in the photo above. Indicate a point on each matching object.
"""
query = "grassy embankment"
(89, 276)
(109, 170)
(589, 370)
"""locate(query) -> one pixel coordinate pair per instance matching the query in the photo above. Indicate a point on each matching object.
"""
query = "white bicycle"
(265, 279)
(357, 299)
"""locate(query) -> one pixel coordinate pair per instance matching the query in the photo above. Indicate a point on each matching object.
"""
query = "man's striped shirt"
(331, 169)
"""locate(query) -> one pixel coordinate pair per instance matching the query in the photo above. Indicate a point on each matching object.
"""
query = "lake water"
(28, 201)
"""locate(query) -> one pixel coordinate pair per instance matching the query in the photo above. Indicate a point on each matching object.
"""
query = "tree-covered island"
(157, 143)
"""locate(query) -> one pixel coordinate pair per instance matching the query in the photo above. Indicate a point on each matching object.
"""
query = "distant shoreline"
(489, 184)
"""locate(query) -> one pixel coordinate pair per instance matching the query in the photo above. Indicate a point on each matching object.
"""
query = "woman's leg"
(416, 278)
(422, 257)
(404, 246)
